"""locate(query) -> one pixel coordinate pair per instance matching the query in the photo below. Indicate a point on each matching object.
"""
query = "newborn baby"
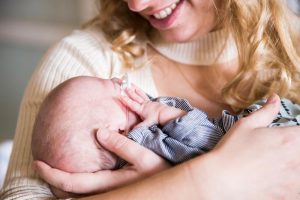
(65, 128)
(64, 134)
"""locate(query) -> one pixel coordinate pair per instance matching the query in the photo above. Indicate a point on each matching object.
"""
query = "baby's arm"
(150, 112)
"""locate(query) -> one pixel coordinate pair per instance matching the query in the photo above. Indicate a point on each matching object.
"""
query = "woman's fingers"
(125, 148)
(63, 194)
(53, 176)
(264, 116)
(100, 181)
(143, 163)
(57, 178)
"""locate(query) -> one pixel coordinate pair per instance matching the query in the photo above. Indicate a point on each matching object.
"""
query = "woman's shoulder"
(84, 50)
(82, 53)
(88, 38)
(87, 43)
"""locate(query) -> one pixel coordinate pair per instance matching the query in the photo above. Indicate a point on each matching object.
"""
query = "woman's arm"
(176, 183)
(142, 163)
(251, 162)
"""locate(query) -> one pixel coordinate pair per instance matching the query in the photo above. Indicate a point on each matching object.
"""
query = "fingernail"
(272, 98)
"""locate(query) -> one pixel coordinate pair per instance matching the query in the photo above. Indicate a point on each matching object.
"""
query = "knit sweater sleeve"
(80, 54)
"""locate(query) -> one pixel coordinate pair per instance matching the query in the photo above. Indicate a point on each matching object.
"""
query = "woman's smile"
(166, 17)
(178, 20)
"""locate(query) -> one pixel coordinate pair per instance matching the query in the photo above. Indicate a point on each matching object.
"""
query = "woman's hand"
(142, 163)
(255, 162)
(251, 162)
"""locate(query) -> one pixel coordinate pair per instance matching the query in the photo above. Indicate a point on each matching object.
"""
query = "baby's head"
(64, 134)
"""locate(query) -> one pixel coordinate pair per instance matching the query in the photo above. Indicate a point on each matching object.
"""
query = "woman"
(222, 54)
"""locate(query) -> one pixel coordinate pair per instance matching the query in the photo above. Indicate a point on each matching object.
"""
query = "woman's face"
(178, 20)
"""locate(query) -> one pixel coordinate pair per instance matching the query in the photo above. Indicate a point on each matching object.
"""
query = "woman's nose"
(138, 5)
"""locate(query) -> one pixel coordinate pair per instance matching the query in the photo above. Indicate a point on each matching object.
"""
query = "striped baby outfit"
(195, 133)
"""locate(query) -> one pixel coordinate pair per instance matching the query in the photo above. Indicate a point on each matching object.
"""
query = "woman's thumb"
(265, 116)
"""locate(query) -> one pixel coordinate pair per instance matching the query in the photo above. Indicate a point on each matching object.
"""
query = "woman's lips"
(169, 20)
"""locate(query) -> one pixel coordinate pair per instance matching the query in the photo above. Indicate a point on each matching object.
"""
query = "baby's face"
(116, 115)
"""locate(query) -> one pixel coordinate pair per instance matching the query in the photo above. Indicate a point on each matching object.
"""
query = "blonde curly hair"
(265, 38)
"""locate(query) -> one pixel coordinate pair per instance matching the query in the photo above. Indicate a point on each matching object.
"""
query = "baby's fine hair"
(57, 127)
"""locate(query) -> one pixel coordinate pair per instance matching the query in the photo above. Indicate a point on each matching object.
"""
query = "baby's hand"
(150, 112)
(137, 101)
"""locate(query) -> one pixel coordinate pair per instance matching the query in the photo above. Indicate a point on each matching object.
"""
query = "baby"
(64, 134)
(65, 128)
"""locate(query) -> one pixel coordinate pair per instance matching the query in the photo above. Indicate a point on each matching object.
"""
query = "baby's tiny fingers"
(132, 105)
(142, 94)
(132, 93)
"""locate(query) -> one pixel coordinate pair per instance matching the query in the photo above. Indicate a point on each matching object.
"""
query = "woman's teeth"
(166, 12)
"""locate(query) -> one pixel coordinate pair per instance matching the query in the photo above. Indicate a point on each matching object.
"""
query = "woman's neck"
(196, 70)
(214, 48)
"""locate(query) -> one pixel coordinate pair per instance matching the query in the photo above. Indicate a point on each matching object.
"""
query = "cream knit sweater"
(83, 53)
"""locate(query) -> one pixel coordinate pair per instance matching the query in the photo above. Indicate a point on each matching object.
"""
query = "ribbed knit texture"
(212, 48)
(83, 53)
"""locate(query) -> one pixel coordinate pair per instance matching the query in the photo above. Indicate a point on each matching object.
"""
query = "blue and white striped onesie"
(195, 133)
